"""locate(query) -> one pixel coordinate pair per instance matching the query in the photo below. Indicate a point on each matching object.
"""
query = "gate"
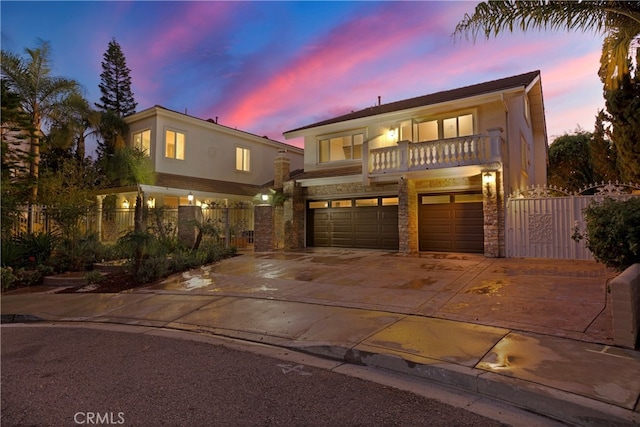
(540, 221)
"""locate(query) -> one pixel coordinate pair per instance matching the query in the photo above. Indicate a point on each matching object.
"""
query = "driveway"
(564, 298)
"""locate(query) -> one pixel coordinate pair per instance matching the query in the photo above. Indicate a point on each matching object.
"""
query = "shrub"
(36, 248)
(94, 276)
(7, 278)
(613, 232)
(78, 254)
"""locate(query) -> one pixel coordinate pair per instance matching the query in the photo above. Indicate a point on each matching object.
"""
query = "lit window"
(450, 127)
(347, 147)
(243, 159)
(174, 145)
(142, 141)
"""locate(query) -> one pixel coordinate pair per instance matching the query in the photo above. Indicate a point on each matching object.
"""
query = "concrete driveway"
(554, 297)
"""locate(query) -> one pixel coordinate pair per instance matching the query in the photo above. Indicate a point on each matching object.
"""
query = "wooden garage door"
(451, 223)
(354, 223)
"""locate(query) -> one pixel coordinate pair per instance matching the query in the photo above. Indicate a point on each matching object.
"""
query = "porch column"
(491, 213)
(264, 232)
(99, 200)
(407, 216)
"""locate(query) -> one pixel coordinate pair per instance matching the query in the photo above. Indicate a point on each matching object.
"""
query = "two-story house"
(423, 174)
(199, 162)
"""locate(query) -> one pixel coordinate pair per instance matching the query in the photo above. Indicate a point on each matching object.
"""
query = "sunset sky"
(268, 67)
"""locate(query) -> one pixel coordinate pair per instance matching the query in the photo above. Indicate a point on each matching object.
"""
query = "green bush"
(78, 254)
(94, 276)
(36, 248)
(613, 232)
(7, 278)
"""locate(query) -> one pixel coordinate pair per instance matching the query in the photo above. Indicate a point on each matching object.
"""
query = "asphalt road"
(61, 376)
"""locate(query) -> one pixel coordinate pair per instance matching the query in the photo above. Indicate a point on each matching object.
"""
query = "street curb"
(557, 404)
(537, 398)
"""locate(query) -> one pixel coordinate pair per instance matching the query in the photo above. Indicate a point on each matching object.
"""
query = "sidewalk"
(534, 333)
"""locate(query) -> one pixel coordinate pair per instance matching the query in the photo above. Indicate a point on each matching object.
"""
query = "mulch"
(112, 283)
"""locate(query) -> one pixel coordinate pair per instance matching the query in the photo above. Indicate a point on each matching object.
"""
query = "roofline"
(148, 112)
(433, 99)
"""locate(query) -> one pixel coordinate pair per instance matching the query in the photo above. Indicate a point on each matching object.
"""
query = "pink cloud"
(327, 68)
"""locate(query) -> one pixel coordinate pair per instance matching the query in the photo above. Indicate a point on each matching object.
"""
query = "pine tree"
(115, 84)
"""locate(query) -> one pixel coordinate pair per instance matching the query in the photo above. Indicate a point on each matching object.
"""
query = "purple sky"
(269, 67)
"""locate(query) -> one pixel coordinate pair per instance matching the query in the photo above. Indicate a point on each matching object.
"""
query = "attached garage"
(451, 222)
(370, 223)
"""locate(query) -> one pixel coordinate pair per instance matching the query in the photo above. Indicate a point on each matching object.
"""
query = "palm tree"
(619, 21)
(40, 94)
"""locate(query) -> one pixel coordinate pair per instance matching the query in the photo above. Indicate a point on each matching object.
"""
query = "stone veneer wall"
(407, 216)
(293, 216)
(493, 211)
(264, 231)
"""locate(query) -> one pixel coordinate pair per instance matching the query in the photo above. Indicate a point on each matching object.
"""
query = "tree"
(115, 84)
(623, 113)
(40, 94)
(604, 157)
(15, 158)
(570, 164)
(73, 124)
(619, 21)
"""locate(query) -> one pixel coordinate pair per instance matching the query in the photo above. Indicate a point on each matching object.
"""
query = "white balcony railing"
(444, 153)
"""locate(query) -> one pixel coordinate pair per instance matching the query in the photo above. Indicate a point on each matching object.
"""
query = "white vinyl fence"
(542, 220)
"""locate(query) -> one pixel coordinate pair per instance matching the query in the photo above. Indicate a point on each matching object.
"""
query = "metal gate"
(542, 220)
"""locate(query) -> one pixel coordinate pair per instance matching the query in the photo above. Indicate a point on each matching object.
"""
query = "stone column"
(407, 216)
(491, 199)
(281, 170)
(294, 209)
(189, 220)
(264, 233)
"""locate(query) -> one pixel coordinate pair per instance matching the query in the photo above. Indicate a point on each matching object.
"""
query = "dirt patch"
(112, 283)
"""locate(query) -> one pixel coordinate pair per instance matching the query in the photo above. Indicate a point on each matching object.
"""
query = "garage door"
(354, 223)
(451, 223)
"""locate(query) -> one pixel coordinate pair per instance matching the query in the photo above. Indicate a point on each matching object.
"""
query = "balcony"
(445, 153)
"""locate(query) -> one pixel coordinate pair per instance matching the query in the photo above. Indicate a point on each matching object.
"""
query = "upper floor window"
(346, 147)
(422, 130)
(142, 141)
(174, 145)
(243, 159)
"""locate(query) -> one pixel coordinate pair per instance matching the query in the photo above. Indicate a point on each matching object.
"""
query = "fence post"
(227, 227)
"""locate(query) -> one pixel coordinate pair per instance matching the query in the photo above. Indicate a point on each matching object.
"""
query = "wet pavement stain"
(417, 283)
(488, 287)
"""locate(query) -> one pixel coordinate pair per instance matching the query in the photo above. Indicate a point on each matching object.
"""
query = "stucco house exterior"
(423, 174)
(198, 162)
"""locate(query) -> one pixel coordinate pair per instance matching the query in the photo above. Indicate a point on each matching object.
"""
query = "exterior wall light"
(264, 197)
(488, 179)
(391, 134)
(151, 203)
(125, 204)
(190, 197)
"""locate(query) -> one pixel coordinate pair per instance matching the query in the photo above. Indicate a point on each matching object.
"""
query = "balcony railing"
(444, 153)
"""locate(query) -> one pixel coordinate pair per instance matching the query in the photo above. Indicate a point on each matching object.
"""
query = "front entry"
(451, 222)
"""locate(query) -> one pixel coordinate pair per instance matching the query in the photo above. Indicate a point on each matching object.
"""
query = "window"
(174, 145)
(243, 159)
(449, 127)
(142, 141)
(347, 147)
